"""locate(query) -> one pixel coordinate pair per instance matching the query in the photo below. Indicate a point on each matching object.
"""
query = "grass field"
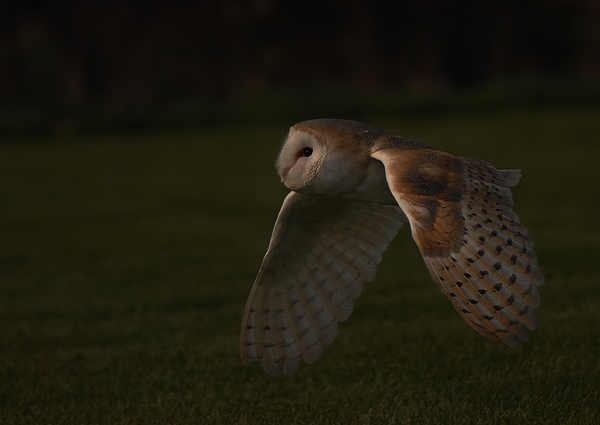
(125, 262)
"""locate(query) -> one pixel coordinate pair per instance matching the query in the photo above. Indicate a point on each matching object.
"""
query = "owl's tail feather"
(512, 176)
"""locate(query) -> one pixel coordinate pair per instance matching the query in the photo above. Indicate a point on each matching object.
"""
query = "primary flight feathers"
(353, 186)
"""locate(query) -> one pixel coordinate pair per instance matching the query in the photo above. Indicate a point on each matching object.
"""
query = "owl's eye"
(307, 152)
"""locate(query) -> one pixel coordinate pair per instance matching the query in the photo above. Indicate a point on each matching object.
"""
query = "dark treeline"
(121, 55)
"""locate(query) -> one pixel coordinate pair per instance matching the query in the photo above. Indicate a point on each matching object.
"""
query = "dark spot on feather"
(474, 301)
(459, 283)
(467, 275)
(513, 259)
(483, 273)
(494, 233)
(499, 249)
(470, 260)
(497, 266)
(482, 239)
(454, 194)
(498, 307)
(481, 252)
(511, 299)
(509, 242)
(498, 286)
(266, 328)
(512, 278)
(482, 291)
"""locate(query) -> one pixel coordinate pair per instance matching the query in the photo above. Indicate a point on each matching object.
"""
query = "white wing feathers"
(321, 252)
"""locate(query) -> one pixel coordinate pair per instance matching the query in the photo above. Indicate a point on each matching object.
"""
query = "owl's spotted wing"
(475, 247)
(321, 252)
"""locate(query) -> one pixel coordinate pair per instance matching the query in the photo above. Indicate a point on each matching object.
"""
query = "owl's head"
(326, 156)
(301, 158)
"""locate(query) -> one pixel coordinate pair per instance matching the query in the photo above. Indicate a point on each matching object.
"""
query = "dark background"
(138, 194)
(62, 62)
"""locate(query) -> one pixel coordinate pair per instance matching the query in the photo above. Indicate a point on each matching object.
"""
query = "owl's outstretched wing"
(321, 252)
(475, 247)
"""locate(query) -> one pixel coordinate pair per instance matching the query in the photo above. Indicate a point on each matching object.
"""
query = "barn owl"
(352, 187)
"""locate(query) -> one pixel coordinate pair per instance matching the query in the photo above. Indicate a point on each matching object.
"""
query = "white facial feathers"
(300, 159)
(334, 158)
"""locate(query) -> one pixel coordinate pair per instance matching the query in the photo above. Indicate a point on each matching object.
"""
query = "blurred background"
(138, 194)
(68, 66)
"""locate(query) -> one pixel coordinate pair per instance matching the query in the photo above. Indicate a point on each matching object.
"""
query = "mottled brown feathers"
(430, 184)
(474, 245)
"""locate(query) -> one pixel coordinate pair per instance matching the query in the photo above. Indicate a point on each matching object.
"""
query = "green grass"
(125, 262)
